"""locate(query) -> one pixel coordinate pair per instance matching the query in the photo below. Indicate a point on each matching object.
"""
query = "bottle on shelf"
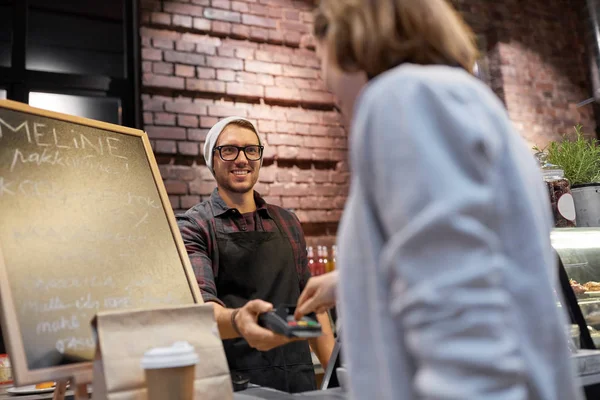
(320, 262)
(328, 260)
(333, 257)
(311, 260)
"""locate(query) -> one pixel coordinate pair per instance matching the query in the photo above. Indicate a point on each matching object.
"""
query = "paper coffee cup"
(170, 372)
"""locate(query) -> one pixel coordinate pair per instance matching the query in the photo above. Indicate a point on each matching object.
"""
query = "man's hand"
(318, 296)
(258, 337)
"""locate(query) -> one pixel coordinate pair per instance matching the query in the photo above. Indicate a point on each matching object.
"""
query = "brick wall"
(537, 62)
(207, 59)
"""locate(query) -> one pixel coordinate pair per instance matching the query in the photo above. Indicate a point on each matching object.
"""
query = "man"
(248, 256)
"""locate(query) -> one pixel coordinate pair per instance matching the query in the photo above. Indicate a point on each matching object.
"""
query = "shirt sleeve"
(196, 240)
(426, 159)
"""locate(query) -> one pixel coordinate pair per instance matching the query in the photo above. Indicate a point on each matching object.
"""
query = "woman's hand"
(318, 296)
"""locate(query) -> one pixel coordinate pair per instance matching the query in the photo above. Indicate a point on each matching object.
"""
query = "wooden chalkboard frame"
(80, 372)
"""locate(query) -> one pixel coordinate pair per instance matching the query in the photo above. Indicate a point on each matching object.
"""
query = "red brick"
(220, 27)
(222, 15)
(184, 21)
(282, 94)
(321, 154)
(163, 81)
(285, 127)
(331, 118)
(292, 38)
(158, 33)
(197, 135)
(276, 12)
(162, 68)
(161, 132)
(165, 147)
(185, 58)
(174, 200)
(226, 75)
(262, 189)
(201, 187)
(161, 118)
(208, 122)
(290, 202)
(239, 6)
(262, 55)
(287, 152)
(274, 200)
(183, 9)
(259, 34)
(188, 148)
(202, 24)
(151, 5)
(206, 73)
(224, 110)
(160, 18)
(185, 107)
(339, 155)
(240, 31)
(206, 49)
(258, 21)
(189, 121)
(225, 63)
(283, 81)
(300, 115)
(265, 79)
(308, 59)
(185, 70)
(175, 187)
(156, 103)
(289, 189)
(246, 77)
(148, 118)
(205, 85)
(244, 89)
(285, 175)
(293, 26)
(268, 174)
(321, 176)
(224, 4)
(162, 44)
(267, 126)
(187, 202)
(185, 46)
(303, 176)
(226, 51)
(275, 36)
(340, 177)
(263, 67)
(276, 139)
(308, 17)
(292, 15)
(145, 20)
(245, 53)
(302, 129)
(297, 72)
(258, 9)
(340, 143)
(202, 2)
(151, 54)
(146, 66)
(307, 42)
(315, 97)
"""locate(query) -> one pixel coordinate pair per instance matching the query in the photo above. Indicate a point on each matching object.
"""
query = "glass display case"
(579, 251)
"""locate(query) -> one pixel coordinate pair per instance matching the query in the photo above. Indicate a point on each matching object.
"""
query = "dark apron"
(260, 265)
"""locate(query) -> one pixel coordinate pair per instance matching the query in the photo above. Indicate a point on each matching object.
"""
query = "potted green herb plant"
(580, 160)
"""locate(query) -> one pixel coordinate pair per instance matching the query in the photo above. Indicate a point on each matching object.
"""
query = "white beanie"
(213, 136)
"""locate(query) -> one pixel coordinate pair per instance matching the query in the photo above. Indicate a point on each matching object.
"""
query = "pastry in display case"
(579, 251)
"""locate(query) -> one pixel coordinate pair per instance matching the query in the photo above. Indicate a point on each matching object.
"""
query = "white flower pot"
(587, 204)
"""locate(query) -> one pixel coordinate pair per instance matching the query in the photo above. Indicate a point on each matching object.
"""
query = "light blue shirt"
(446, 268)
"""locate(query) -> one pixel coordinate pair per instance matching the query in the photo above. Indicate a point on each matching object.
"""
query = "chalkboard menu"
(85, 226)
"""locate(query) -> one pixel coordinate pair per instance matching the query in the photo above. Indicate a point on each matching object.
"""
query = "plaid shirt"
(197, 227)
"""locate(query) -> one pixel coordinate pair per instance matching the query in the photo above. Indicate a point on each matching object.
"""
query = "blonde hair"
(377, 35)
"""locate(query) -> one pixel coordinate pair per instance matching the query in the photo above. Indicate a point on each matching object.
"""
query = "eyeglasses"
(231, 153)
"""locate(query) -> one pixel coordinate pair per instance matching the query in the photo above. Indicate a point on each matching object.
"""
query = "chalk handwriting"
(75, 344)
(63, 323)
(101, 145)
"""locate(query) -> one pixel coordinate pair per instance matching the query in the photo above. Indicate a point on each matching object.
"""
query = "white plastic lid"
(180, 354)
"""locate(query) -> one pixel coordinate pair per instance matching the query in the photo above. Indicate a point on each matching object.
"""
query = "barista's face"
(239, 175)
(344, 86)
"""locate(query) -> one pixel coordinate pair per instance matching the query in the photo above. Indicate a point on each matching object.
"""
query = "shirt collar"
(221, 208)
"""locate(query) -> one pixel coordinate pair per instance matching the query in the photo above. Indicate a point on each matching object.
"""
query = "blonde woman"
(445, 265)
